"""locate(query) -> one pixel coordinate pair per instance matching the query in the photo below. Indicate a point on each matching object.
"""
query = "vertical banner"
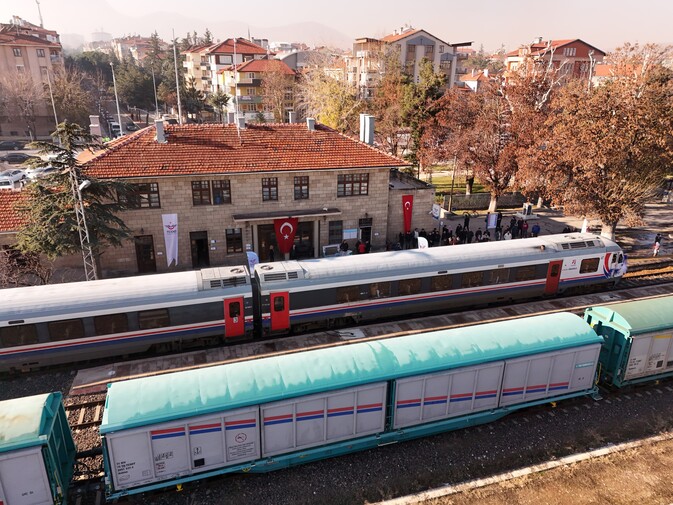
(436, 210)
(285, 231)
(170, 222)
(407, 210)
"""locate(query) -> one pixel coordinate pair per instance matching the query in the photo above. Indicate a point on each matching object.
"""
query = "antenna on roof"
(39, 11)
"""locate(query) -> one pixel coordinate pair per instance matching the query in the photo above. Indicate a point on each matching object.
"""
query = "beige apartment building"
(28, 50)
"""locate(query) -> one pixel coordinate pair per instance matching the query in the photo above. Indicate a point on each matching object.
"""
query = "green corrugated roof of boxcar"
(190, 393)
(23, 421)
(637, 317)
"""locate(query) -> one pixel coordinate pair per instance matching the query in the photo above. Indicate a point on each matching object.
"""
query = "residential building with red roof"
(33, 51)
(205, 61)
(243, 83)
(572, 58)
(365, 65)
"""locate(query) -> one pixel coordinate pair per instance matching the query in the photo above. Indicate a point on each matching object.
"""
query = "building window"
(251, 91)
(336, 231)
(251, 75)
(143, 196)
(200, 192)
(441, 49)
(429, 50)
(269, 189)
(17, 51)
(569, 51)
(20, 68)
(411, 52)
(301, 187)
(234, 240)
(221, 192)
(40, 53)
(288, 96)
(352, 185)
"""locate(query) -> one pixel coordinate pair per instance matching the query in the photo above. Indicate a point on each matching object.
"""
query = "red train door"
(280, 311)
(553, 276)
(234, 318)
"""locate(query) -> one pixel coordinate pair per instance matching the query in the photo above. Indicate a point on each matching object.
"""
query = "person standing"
(657, 245)
(535, 230)
(272, 253)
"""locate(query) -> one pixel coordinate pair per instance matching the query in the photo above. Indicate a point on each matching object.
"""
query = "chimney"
(240, 122)
(362, 127)
(159, 125)
(485, 72)
(291, 116)
(231, 117)
(310, 124)
(369, 130)
(94, 126)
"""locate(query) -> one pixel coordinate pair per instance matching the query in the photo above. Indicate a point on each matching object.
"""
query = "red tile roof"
(10, 219)
(541, 48)
(395, 37)
(243, 46)
(22, 39)
(217, 149)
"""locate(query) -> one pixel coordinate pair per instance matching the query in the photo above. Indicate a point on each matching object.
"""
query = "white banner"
(422, 243)
(170, 222)
(436, 210)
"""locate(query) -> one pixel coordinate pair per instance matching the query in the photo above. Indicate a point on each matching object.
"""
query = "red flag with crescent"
(407, 209)
(285, 231)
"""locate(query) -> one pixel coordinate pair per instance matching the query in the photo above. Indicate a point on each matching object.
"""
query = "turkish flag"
(285, 231)
(407, 209)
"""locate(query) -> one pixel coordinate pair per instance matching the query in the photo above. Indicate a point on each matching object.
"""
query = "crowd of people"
(464, 234)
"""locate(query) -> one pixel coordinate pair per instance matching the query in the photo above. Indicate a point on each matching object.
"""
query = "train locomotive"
(65, 323)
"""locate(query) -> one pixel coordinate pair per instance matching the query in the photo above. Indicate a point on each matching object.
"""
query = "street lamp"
(119, 114)
(82, 228)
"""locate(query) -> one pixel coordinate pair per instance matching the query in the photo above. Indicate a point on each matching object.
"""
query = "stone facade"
(246, 190)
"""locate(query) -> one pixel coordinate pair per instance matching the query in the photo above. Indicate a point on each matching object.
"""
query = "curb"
(471, 485)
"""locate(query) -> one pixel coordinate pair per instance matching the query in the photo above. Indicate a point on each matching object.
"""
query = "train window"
(65, 330)
(589, 265)
(526, 273)
(409, 286)
(235, 309)
(148, 319)
(198, 313)
(111, 323)
(347, 294)
(472, 279)
(279, 304)
(379, 290)
(499, 276)
(441, 283)
(18, 335)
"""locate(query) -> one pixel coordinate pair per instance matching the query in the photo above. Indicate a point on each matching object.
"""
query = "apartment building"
(572, 58)
(34, 52)
(365, 65)
(204, 62)
(244, 84)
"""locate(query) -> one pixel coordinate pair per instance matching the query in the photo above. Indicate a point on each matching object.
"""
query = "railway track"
(85, 413)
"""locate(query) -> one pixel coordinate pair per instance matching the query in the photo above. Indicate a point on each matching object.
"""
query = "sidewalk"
(636, 241)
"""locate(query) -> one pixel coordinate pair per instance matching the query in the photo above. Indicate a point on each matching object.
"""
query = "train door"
(553, 276)
(234, 318)
(280, 311)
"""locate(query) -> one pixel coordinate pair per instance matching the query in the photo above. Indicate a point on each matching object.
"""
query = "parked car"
(115, 130)
(16, 158)
(10, 145)
(35, 173)
(131, 127)
(9, 178)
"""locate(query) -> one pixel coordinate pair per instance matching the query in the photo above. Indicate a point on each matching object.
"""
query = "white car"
(34, 173)
(9, 178)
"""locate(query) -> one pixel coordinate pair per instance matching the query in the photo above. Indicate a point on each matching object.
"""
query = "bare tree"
(278, 83)
(22, 99)
(22, 269)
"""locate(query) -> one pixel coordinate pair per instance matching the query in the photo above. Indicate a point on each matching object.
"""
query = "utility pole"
(119, 114)
(85, 243)
(39, 11)
(177, 80)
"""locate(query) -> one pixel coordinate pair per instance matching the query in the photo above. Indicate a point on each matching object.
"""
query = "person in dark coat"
(272, 253)
(466, 221)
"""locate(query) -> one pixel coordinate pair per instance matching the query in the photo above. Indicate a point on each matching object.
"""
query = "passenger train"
(64, 323)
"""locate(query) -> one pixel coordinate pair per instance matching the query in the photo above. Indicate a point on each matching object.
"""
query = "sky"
(605, 24)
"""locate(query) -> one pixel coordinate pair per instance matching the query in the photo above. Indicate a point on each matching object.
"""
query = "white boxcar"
(638, 339)
(174, 449)
(37, 452)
